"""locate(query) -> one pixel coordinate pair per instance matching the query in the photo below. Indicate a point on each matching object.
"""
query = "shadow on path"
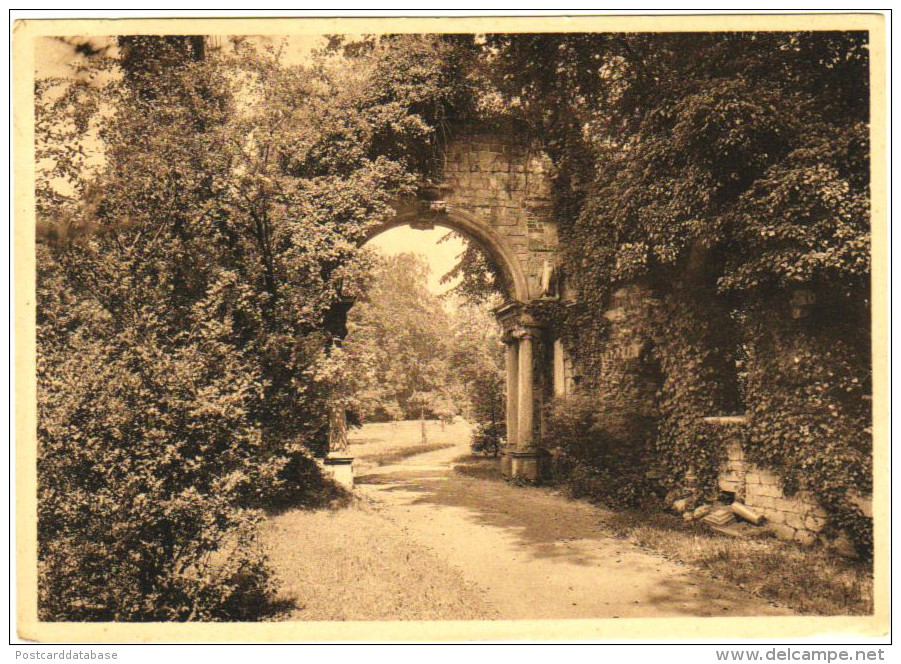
(528, 541)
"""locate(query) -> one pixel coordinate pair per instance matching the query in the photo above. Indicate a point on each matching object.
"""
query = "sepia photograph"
(442, 329)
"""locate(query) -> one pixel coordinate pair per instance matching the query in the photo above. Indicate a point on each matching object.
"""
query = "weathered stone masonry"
(798, 517)
(506, 186)
(497, 190)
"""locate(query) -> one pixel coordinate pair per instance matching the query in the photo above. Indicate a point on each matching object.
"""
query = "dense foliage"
(728, 174)
(602, 451)
(197, 217)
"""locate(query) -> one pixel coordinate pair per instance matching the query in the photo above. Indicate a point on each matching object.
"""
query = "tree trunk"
(337, 428)
(422, 423)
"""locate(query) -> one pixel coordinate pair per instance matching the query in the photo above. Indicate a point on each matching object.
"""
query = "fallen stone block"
(719, 517)
(746, 513)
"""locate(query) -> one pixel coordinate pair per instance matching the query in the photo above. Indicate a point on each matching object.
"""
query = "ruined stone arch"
(495, 188)
(424, 215)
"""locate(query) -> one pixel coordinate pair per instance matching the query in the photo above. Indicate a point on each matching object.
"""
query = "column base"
(525, 466)
(506, 464)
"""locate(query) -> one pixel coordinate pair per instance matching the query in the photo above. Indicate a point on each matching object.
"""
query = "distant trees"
(413, 354)
(478, 358)
(399, 342)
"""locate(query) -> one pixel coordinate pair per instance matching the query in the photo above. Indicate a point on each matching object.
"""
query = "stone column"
(512, 356)
(525, 457)
(559, 369)
(522, 330)
(526, 398)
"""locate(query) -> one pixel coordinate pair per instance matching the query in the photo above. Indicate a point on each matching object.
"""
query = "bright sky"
(441, 257)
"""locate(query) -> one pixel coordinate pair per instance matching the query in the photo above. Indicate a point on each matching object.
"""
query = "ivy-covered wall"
(771, 405)
(727, 177)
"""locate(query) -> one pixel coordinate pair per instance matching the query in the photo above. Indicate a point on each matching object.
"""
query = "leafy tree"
(667, 150)
(185, 286)
(148, 443)
(479, 279)
(399, 342)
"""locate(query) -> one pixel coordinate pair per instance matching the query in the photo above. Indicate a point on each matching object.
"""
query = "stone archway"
(495, 189)
(426, 215)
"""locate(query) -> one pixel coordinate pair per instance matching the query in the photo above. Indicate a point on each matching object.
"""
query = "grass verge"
(391, 456)
(353, 564)
(811, 580)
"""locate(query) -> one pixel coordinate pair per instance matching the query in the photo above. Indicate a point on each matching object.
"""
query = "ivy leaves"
(728, 175)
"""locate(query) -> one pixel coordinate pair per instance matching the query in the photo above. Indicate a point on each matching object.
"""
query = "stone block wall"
(797, 517)
(623, 361)
(506, 185)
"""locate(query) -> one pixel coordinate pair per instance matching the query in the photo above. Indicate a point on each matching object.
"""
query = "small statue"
(548, 280)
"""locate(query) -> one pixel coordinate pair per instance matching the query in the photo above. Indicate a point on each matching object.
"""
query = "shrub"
(142, 468)
(601, 451)
(487, 438)
(300, 482)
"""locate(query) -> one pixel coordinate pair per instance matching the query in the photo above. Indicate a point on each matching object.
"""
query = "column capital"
(516, 333)
(517, 321)
(525, 332)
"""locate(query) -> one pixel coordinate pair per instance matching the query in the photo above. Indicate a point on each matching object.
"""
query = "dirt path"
(534, 554)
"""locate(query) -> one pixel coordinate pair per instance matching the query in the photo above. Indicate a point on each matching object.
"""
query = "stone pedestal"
(525, 466)
(341, 470)
(506, 464)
